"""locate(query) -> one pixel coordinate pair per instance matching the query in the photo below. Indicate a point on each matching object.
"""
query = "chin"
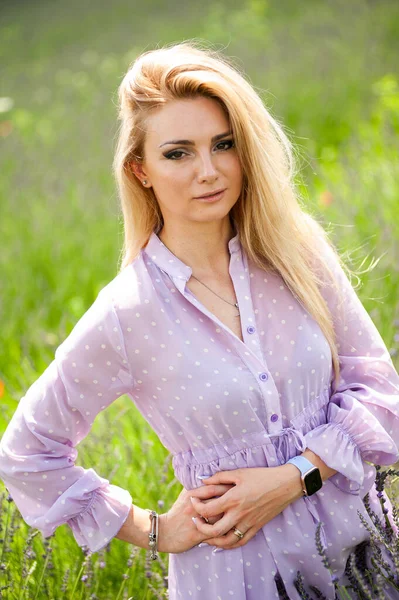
(213, 212)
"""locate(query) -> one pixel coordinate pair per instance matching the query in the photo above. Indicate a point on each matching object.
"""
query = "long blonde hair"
(274, 229)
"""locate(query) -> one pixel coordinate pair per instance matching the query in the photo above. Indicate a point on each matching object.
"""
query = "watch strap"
(305, 466)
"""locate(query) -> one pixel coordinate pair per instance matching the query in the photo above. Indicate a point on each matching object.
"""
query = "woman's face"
(182, 161)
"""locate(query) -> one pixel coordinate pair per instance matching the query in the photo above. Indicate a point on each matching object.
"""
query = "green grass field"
(327, 71)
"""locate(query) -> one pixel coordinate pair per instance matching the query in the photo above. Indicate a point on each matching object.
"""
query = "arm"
(136, 528)
(362, 423)
(325, 471)
(38, 448)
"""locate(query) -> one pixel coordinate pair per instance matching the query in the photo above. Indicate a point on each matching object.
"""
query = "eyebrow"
(191, 143)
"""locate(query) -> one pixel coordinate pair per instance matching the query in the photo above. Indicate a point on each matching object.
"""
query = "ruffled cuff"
(339, 451)
(352, 437)
(363, 428)
(103, 517)
(94, 509)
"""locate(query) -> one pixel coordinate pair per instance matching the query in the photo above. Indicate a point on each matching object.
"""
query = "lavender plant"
(382, 548)
(27, 569)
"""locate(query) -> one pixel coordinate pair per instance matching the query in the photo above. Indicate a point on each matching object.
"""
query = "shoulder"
(113, 305)
(128, 287)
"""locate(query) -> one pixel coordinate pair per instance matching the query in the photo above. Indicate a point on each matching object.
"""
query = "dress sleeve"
(37, 451)
(363, 411)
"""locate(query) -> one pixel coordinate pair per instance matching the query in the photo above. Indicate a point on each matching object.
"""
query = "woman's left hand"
(259, 494)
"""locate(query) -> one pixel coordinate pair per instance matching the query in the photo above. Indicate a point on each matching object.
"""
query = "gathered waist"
(259, 449)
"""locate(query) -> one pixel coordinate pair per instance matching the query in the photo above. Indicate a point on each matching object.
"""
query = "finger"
(204, 491)
(217, 529)
(207, 500)
(230, 539)
(213, 520)
(213, 507)
(223, 477)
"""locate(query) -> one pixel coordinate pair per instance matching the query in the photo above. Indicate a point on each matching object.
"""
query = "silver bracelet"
(153, 535)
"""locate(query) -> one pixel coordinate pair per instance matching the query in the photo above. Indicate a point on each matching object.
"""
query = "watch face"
(313, 482)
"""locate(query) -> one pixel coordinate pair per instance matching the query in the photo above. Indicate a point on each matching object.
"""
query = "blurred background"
(327, 71)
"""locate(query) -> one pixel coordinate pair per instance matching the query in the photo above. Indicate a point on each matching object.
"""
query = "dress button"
(274, 418)
(264, 376)
(251, 329)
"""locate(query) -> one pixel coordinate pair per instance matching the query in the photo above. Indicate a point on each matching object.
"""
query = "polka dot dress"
(216, 403)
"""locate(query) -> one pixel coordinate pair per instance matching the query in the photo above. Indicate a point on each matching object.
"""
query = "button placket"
(274, 417)
(239, 272)
(250, 354)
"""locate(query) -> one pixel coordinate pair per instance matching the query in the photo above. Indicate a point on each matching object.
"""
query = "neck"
(205, 250)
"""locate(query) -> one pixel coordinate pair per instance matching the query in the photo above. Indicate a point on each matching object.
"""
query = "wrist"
(136, 528)
(294, 481)
(325, 471)
(153, 534)
(162, 537)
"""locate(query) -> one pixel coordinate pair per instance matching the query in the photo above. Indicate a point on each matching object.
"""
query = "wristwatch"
(310, 475)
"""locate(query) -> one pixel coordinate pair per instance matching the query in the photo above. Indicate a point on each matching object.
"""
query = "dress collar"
(170, 263)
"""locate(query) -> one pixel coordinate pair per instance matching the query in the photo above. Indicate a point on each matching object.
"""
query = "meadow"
(327, 71)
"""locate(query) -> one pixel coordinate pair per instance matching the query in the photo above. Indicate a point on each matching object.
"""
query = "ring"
(238, 533)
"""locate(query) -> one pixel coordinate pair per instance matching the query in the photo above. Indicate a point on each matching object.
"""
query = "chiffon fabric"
(216, 403)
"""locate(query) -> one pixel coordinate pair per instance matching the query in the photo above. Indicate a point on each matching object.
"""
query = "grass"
(328, 72)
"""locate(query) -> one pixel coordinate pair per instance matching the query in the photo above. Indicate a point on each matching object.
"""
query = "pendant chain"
(235, 304)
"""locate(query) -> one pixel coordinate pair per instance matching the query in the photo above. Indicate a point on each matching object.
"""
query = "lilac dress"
(216, 403)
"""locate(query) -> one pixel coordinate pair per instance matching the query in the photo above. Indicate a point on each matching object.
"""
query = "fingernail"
(203, 476)
(192, 498)
(194, 520)
(216, 549)
(201, 544)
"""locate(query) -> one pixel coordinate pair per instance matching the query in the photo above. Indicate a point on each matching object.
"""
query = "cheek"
(171, 187)
(174, 177)
(235, 169)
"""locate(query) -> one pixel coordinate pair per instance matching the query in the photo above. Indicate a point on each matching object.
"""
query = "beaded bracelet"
(153, 535)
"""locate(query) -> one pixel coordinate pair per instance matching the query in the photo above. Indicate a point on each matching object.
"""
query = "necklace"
(235, 304)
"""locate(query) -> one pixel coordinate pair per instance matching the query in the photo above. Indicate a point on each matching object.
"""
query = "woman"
(234, 330)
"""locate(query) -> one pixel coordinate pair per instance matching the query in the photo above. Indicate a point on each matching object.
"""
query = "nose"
(206, 168)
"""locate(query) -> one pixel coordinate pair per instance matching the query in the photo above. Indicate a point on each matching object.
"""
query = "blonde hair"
(274, 229)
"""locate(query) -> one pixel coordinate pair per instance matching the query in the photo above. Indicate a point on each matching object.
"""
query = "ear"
(138, 170)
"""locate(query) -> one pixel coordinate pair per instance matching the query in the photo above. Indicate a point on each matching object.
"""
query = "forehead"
(194, 118)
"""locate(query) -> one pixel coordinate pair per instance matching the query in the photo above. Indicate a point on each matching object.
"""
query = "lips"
(211, 193)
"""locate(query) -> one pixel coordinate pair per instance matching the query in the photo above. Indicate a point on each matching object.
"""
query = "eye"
(229, 142)
(173, 153)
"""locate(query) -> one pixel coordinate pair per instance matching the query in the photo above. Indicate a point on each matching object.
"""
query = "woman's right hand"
(176, 530)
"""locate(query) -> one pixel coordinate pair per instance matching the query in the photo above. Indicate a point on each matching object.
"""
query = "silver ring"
(238, 533)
